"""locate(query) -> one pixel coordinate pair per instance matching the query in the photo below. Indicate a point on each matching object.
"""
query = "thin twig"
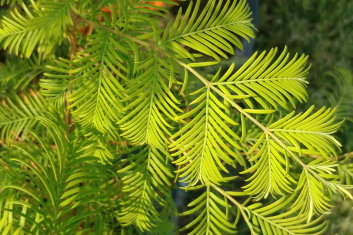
(241, 207)
(346, 155)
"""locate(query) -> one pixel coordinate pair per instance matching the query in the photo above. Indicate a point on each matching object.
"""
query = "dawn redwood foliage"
(106, 105)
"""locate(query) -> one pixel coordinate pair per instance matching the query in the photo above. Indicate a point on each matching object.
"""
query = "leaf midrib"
(326, 134)
(259, 80)
(205, 132)
(207, 29)
(151, 100)
(100, 75)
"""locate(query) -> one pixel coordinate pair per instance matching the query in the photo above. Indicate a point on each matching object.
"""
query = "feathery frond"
(95, 154)
(269, 221)
(41, 29)
(151, 104)
(97, 73)
(56, 82)
(57, 190)
(97, 102)
(304, 133)
(7, 223)
(313, 185)
(267, 81)
(270, 173)
(207, 142)
(145, 181)
(211, 216)
(100, 145)
(213, 31)
(309, 132)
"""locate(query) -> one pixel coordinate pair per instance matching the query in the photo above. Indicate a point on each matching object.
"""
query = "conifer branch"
(241, 110)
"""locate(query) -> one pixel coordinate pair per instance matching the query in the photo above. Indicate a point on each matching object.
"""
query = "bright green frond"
(41, 29)
(105, 103)
(207, 142)
(304, 133)
(269, 220)
(145, 181)
(311, 199)
(212, 31)
(19, 115)
(103, 152)
(309, 132)
(151, 104)
(212, 215)
(99, 69)
(99, 145)
(267, 81)
(315, 188)
(61, 182)
(270, 171)
(7, 223)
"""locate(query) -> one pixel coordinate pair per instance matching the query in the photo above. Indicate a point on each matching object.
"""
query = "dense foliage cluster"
(106, 108)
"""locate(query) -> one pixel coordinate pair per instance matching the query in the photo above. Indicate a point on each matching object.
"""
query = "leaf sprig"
(122, 109)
